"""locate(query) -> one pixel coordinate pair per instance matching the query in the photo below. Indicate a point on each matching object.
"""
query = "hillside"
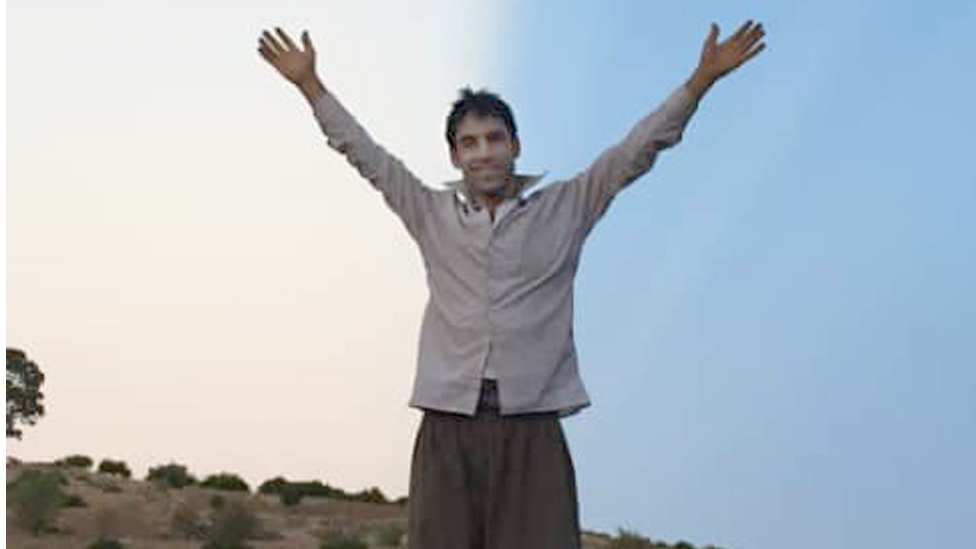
(147, 515)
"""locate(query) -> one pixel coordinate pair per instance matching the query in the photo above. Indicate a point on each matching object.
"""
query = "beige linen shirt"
(501, 293)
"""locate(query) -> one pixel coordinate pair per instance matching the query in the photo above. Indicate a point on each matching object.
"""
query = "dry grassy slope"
(141, 515)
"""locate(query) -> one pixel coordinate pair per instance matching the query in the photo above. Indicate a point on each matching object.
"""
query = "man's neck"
(490, 201)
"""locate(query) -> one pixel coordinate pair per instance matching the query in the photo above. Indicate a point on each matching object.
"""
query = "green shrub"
(226, 481)
(233, 525)
(272, 486)
(106, 543)
(173, 475)
(35, 498)
(290, 495)
(372, 495)
(343, 542)
(316, 489)
(628, 539)
(113, 467)
(297, 490)
(111, 488)
(401, 501)
(73, 500)
(77, 460)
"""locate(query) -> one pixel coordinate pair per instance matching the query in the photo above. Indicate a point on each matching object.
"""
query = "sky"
(775, 324)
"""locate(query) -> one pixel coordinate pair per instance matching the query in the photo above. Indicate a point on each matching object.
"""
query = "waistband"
(489, 406)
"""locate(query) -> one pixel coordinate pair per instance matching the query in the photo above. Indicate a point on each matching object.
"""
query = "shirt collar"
(524, 181)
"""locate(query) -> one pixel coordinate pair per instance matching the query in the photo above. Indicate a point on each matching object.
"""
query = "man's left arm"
(635, 154)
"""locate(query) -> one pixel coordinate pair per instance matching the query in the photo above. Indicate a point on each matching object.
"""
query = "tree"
(24, 396)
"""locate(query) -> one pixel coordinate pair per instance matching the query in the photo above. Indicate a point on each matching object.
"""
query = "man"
(497, 363)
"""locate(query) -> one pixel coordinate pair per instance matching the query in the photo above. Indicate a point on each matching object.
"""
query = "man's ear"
(516, 148)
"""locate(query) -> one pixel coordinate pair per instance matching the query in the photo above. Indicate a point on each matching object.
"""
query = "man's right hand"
(295, 64)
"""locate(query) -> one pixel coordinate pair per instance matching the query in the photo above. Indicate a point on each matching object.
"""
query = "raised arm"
(662, 128)
(404, 193)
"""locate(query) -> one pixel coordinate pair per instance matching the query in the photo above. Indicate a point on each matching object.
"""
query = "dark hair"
(481, 103)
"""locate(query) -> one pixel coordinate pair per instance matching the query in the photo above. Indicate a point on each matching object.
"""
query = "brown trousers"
(492, 482)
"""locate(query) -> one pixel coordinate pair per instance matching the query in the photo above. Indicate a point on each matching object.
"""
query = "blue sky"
(775, 325)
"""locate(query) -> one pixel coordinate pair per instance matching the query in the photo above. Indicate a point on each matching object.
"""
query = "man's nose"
(481, 148)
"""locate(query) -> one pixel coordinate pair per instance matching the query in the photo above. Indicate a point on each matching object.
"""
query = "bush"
(401, 501)
(290, 495)
(173, 475)
(316, 489)
(343, 542)
(35, 499)
(373, 495)
(233, 525)
(106, 544)
(226, 481)
(627, 539)
(113, 467)
(73, 500)
(297, 490)
(83, 462)
(111, 488)
(272, 486)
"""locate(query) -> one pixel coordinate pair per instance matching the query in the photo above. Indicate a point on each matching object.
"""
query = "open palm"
(721, 58)
(294, 63)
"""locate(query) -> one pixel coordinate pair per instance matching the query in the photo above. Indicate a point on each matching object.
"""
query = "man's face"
(485, 152)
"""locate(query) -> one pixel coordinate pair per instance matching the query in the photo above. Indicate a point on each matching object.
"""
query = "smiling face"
(485, 152)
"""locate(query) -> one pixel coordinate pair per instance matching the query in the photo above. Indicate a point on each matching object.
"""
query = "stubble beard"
(492, 185)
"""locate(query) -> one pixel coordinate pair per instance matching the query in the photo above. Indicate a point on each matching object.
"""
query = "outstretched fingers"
(286, 39)
(741, 31)
(750, 44)
(745, 43)
(753, 52)
(273, 46)
(712, 37)
(307, 42)
(744, 36)
(269, 47)
(754, 35)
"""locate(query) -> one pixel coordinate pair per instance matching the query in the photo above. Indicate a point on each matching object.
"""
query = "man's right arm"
(405, 194)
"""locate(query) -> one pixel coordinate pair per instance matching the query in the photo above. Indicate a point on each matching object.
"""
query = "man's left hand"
(721, 58)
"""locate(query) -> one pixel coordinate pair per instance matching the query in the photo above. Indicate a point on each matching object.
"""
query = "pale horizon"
(196, 269)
